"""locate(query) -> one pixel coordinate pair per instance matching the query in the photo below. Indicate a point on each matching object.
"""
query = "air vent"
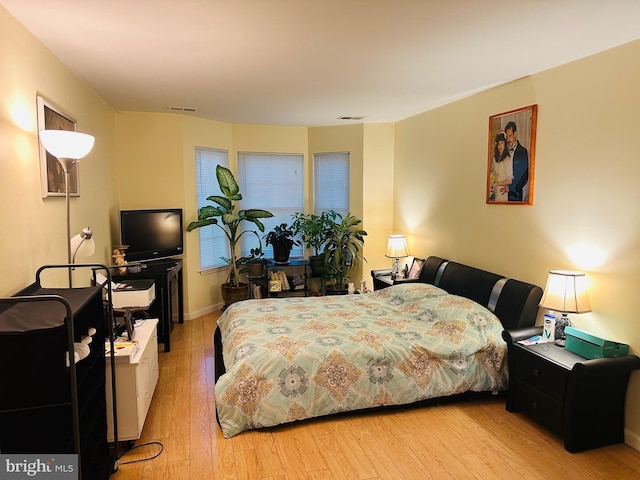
(183, 109)
(349, 117)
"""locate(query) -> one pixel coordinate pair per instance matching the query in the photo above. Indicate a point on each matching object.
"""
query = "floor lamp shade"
(66, 144)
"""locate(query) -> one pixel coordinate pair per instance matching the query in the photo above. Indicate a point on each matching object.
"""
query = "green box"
(589, 346)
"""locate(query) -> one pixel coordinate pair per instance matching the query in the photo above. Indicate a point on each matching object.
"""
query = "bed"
(281, 360)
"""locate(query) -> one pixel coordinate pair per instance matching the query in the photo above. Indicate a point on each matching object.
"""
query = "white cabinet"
(136, 379)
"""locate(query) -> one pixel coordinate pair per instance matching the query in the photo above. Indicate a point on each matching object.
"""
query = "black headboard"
(514, 302)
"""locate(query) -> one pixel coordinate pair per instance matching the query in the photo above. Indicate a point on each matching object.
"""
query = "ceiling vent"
(349, 117)
(183, 109)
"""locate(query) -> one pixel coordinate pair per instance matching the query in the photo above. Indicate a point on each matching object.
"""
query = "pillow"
(416, 267)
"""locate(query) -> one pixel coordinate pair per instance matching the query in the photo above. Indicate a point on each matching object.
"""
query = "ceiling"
(308, 62)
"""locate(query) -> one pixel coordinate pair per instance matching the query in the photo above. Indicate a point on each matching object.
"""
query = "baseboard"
(631, 439)
(204, 311)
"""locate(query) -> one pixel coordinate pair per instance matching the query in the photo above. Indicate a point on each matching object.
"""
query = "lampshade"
(397, 247)
(66, 144)
(83, 244)
(566, 292)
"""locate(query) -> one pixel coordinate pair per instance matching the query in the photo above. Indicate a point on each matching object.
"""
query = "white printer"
(133, 294)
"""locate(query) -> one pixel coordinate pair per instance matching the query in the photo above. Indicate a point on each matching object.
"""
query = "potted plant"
(343, 251)
(224, 216)
(255, 261)
(282, 241)
(314, 230)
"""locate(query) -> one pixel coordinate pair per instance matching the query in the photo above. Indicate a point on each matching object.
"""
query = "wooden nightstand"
(581, 400)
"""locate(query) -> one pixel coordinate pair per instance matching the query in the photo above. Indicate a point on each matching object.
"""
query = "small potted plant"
(255, 261)
(343, 251)
(282, 241)
(224, 216)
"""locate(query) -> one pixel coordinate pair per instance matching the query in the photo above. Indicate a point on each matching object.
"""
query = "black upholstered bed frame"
(514, 302)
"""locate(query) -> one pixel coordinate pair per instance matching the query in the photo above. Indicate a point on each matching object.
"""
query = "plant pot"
(231, 294)
(336, 290)
(255, 269)
(316, 262)
(281, 253)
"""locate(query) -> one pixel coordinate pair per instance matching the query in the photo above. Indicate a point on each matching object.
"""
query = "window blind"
(331, 182)
(273, 182)
(213, 241)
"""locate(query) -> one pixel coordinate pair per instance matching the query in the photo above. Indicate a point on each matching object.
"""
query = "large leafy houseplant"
(223, 214)
(313, 231)
(343, 251)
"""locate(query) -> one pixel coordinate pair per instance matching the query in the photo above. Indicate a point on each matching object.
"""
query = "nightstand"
(382, 279)
(581, 400)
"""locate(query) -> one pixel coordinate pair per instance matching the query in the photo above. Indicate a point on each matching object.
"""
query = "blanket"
(295, 358)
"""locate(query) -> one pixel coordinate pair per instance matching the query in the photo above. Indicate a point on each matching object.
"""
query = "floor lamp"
(68, 147)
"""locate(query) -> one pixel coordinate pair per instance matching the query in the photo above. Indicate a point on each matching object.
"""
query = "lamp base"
(561, 323)
(395, 268)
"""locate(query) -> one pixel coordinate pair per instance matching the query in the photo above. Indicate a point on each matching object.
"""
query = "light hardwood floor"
(470, 440)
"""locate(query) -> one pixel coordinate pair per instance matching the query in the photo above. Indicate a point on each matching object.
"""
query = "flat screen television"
(151, 234)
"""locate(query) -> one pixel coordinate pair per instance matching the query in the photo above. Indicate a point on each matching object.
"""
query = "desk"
(167, 276)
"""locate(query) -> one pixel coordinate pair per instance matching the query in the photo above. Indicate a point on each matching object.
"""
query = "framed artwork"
(511, 165)
(52, 177)
(416, 267)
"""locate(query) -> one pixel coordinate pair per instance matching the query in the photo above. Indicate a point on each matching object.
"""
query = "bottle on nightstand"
(549, 329)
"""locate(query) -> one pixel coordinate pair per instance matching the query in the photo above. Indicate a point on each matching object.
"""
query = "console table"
(582, 400)
(167, 276)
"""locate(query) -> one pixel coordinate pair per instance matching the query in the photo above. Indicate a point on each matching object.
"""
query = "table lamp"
(566, 292)
(396, 248)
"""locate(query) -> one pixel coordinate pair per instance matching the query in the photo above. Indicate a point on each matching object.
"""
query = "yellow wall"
(33, 228)
(585, 179)
(586, 189)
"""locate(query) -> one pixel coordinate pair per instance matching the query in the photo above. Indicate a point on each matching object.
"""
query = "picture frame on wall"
(52, 177)
(511, 159)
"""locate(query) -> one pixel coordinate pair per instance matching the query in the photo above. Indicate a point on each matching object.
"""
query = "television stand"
(169, 298)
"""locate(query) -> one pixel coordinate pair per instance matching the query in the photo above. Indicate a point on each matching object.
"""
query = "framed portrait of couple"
(511, 159)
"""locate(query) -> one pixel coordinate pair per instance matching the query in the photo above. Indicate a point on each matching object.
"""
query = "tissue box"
(589, 346)
(133, 293)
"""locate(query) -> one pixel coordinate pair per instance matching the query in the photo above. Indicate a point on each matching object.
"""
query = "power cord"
(118, 462)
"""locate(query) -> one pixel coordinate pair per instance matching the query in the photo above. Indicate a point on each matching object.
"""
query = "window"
(331, 182)
(273, 182)
(213, 241)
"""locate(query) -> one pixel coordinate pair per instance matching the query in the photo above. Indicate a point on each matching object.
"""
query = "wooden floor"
(470, 440)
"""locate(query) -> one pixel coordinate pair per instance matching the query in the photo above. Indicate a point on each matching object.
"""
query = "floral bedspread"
(289, 359)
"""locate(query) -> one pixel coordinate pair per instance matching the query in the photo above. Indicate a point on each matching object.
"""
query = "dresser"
(136, 379)
(579, 399)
